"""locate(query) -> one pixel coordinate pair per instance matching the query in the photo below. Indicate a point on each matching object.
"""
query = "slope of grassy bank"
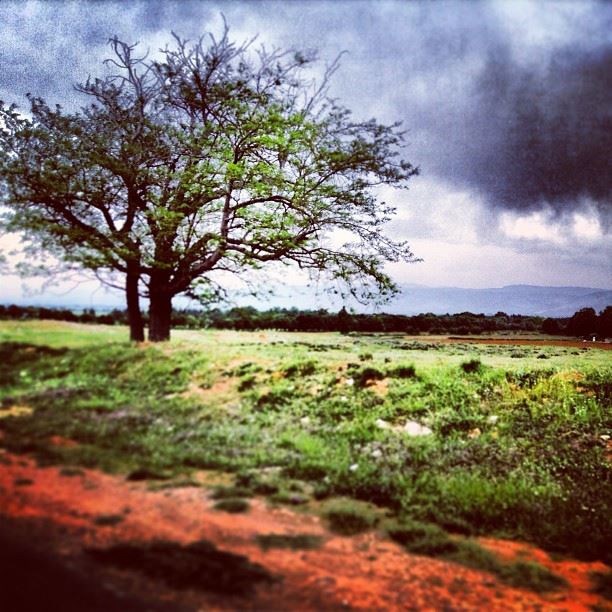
(478, 439)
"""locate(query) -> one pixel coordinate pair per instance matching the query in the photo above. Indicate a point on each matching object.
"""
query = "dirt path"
(51, 517)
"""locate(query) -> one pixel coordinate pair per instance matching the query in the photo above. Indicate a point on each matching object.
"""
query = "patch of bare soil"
(170, 550)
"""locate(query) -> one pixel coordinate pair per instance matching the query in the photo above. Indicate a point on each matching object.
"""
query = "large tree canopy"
(214, 156)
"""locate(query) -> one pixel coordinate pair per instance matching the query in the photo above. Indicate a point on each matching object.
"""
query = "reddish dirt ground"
(63, 513)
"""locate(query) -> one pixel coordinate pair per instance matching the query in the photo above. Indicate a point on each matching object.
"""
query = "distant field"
(479, 439)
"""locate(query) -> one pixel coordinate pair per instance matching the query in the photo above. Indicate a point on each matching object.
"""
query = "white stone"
(382, 424)
(412, 428)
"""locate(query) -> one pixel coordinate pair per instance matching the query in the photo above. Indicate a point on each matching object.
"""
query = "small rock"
(354, 467)
(305, 420)
(412, 428)
(349, 382)
(376, 453)
(492, 419)
(382, 424)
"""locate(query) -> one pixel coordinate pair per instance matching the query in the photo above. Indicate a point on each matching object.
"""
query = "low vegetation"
(442, 439)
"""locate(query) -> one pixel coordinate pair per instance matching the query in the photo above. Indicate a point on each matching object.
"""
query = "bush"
(232, 504)
(402, 371)
(300, 368)
(472, 366)
(349, 518)
(365, 375)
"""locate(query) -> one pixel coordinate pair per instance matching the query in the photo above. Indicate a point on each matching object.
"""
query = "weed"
(233, 505)
(229, 492)
(289, 498)
(300, 541)
(430, 540)
(172, 484)
(144, 473)
(301, 368)
(530, 575)
(348, 518)
(247, 382)
(421, 538)
(71, 471)
(366, 375)
(402, 371)
(472, 366)
(108, 520)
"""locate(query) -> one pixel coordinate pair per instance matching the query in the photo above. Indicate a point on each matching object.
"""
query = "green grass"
(517, 448)
(430, 540)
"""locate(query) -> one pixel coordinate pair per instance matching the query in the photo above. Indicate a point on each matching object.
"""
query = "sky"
(506, 106)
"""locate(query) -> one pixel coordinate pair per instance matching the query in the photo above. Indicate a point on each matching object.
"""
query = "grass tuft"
(232, 505)
(430, 540)
(300, 541)
(348, 518)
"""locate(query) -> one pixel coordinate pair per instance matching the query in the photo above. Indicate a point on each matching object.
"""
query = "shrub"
(367, 374)
(421, 538)
(231, 492)
(300, 541)
(300, 368)
(402, 371)
(349, 518)
(472, 366)
(232, 504)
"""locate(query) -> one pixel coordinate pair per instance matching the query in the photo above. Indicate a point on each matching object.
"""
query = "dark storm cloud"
(526, 125)
(543, 137)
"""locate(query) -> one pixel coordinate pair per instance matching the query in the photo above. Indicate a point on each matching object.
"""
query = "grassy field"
(422, 439)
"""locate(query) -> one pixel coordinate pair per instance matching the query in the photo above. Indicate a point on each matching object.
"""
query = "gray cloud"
(505, 102)
(543, 139)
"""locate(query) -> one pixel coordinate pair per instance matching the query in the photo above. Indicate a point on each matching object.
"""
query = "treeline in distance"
(585, 322)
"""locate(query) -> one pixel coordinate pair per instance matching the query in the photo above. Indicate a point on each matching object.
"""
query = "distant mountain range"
(513, 299)
(414, 299)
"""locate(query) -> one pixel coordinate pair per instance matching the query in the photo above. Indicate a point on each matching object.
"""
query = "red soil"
(362, 572)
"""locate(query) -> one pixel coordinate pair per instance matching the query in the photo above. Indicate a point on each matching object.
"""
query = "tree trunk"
(160, 307)
(133, 305)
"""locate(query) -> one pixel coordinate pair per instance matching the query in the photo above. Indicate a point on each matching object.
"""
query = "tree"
(551, 326)
(604, 323)
(210, 158)
(582, 322)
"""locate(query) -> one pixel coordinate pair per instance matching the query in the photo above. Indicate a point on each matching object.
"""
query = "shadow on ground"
(199, 566)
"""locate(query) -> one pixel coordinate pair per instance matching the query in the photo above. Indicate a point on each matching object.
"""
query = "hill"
(512, 299)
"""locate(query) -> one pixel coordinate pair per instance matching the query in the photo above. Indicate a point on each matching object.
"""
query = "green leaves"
(211, 157)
